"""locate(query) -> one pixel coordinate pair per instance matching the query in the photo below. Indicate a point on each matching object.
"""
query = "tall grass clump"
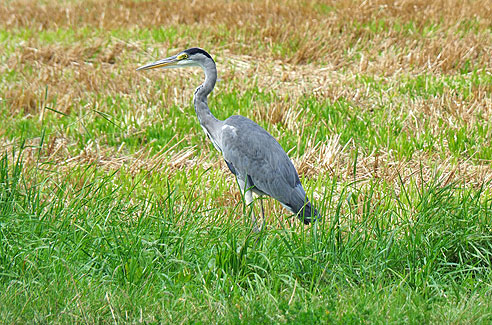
(86, 247)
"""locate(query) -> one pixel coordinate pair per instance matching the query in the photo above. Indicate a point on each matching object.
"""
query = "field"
(115, 207)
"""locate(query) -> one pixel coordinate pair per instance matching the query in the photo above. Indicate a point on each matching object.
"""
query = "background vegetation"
(115, 207)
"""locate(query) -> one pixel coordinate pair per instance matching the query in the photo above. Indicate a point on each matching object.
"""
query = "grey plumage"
(251, 153)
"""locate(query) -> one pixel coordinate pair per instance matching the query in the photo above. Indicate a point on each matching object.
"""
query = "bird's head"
(188, 58)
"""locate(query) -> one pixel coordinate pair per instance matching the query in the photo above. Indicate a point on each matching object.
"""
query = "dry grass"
(320, 31)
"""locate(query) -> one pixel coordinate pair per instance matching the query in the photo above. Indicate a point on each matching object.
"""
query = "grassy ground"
(115, 207)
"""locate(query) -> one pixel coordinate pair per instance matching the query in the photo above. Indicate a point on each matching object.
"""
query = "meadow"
(115, 207)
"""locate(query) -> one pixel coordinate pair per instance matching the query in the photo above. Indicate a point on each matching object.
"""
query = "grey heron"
(257, 160)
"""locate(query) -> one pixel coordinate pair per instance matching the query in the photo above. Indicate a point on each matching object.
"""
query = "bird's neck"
(206, 118)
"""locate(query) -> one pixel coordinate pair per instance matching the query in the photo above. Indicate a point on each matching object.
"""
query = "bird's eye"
(182, 56)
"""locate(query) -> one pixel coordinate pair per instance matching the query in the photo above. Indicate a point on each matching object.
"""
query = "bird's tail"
(308, 213)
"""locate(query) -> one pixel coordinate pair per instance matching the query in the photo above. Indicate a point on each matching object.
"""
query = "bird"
(254, 156)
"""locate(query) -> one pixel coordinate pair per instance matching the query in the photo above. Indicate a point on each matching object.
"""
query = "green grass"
(406, 234)
(92, 246)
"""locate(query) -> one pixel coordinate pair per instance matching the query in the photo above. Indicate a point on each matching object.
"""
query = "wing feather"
(255, 154)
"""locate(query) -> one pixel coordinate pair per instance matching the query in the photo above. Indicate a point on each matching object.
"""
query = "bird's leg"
(262, 214)
(248, 196)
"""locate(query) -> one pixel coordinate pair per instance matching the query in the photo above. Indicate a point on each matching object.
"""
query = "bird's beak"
(167, 62)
